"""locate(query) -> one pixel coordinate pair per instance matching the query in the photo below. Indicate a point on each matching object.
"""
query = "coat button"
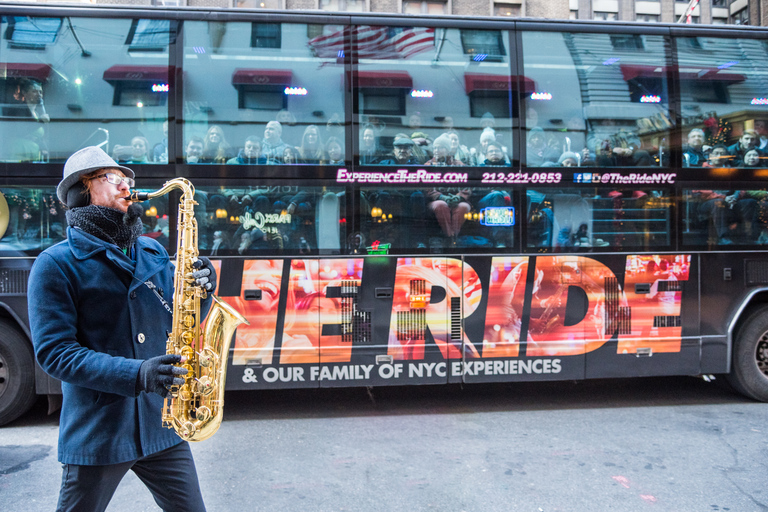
(133, 294)
(140, 337)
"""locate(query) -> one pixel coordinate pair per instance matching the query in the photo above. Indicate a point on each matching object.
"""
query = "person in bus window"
(402, 152)
(160, 150)
(370, 152)
(752, 158)
(718, 157)
(494, 156)
(194, 150)
(250, 154)
(334, 152)
(272, 146)
(695, 152)
(441, 149)
(311, 150)
(487, 136)
(761, 129)
(290, 155)
(746, 142)
(538, 151)
(30, 139)
(136, 153)
(216, 149)
(459, 152)
(730, 215)
(616, 146)
(98, 309)
(569, 159)
(450, 209)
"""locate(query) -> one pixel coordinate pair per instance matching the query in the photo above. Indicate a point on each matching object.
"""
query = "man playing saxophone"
(99, 315)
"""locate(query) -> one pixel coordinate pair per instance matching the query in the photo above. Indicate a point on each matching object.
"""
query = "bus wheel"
(749, 368)
(17, 374)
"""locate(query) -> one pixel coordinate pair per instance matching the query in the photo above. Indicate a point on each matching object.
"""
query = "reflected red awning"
(392, 79)
(24, 70)
(482, 82)
(136, 74)
(243, 76)
(686, 73)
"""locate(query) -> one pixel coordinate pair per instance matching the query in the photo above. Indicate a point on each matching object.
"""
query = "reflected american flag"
(375, 42)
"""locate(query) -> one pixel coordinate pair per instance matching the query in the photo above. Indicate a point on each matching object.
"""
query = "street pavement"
(661, 444)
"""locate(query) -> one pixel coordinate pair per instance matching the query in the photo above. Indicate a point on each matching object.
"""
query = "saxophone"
(195, 409)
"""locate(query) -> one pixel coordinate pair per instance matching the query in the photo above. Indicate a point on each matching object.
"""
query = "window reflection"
(267, 79)
(435, 220)
(602, 97)
(448, 110)
(724, 104)
(573, 220)
(90, 82)
(726, 217)
(270, 220)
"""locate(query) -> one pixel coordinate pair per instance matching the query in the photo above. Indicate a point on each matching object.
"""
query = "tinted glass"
(724, 101)
(75, 82)
(600, 100)
(438, 220)
(600, 219)
(270, 220)
(263, 94)
(726, 217)
(433, 96)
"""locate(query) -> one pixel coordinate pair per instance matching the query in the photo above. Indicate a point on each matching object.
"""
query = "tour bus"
(398, 200)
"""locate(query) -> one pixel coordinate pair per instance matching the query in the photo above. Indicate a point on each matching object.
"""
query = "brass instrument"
(195, 409)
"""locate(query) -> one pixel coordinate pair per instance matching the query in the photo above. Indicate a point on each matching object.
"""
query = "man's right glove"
(158, 374)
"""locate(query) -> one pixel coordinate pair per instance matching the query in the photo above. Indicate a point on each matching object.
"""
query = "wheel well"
(753, 301)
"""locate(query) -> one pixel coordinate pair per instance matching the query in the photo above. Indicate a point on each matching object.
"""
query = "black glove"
(158, 374)
(205, 275)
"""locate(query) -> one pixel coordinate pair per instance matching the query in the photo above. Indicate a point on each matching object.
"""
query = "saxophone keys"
(186, 430)
(204, 385)
(203, 413)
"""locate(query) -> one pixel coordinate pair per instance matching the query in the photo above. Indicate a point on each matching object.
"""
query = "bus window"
(578, 220)
(279, 94)
(270, 220)
(599, 100)
(723, 101)
(436, 220)
(725, 217)
(433, 96)
(81, 88)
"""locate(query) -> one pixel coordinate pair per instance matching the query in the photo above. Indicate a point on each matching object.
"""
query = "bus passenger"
(160, 150)
(311, 150)
(731, 215)
(334, 152)
(370, 152)
(487, 136)
(494, 156)
(752, 158)
(441, 150)
(740, 148)
(250, 154)
(569, 159)
(273, 147)
(718, 157)
(694, 153)
(538, 151)
(450, 210)
(194, 150)
(459, 151)
(216, 149)
(136, 153)
(402, 150)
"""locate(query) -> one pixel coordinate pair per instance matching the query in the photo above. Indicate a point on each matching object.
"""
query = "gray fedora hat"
(82, 162)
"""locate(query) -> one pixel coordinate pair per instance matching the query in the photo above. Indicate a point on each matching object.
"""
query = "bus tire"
(17, 373)
(749, 366)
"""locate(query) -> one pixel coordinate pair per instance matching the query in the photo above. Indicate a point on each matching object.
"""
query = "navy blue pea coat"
(93, 321)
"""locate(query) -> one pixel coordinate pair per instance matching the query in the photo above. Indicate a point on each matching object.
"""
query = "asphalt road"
(663, 444)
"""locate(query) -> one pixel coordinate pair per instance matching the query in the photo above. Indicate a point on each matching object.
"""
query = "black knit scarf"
(108, 224)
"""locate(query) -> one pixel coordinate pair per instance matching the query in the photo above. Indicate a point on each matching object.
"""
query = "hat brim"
(66, 183)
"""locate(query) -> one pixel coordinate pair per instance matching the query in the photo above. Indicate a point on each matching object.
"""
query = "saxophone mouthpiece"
(137, 197)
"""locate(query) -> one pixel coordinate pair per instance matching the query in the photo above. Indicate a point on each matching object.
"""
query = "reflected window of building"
(265, 35)
(509, 10)
(607, 16)
(719, 3)
(151, 35)
(258, 4)
(648, 18)
(273, 103)
(422, 103)
(615, 115)
(425, 7)
(31, 33)
(342, 5)
(719, 21)
(741, 17)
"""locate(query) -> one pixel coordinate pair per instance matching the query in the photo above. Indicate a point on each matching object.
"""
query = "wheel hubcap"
(761, 354)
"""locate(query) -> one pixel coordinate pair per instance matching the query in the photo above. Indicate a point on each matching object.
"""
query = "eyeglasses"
(114, 179)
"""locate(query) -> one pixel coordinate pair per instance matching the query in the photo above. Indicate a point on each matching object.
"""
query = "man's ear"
(77, 196)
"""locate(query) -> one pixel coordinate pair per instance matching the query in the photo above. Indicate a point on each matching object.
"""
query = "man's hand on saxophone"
(205, 275)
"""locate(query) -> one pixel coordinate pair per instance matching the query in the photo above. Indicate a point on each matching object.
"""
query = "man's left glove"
(205, 275)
